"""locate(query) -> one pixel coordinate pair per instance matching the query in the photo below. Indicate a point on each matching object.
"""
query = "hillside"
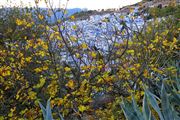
(143, 7)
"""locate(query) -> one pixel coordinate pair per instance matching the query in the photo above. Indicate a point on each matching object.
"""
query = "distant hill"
(59, 13)
(164, 9)
(73, 11)
(69, 12)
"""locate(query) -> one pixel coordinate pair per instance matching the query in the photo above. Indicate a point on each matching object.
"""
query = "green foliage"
(164, 12)
(47, 113)
(164, 106)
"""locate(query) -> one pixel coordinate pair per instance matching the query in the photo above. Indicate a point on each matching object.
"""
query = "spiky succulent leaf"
(146, 110)
(128, 110)
(165, 105)
(48, 111)
(136, 109)
(43, 110)
(154, 104)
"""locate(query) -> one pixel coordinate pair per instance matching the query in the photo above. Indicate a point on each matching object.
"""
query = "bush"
(40, 60)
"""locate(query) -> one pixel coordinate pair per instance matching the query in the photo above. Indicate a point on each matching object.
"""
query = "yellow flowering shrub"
(34, 67)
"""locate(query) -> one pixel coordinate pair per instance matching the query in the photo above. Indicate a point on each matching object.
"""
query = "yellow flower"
(70, 84)
(149, 29)
(67, 69)
(32, 95)
(122, 17)
(131, 10)
(45, 46)
(77, 55)
(156, 40)
(51, 36)
(72, 17)
(151, 46)
(45, 67)
(73, 39)
(74, 27)
(93, 54)
(84, 46)
(82, 108)
(99, 67)
(28, 59)
(41, 83)
(137, 65)
(19, 22)
(42, 53)
(59, 38)
(41, 17)
(130, 52)
(87, 74)
(52, 88)
(5, 71)
(60, 102)
(29, 25)
(38, 70)
(145, 73)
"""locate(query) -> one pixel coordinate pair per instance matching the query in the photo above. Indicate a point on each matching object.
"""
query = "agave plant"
(47, 113)
(166, 111)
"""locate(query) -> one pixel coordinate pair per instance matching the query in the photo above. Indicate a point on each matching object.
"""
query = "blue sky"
(90, 4)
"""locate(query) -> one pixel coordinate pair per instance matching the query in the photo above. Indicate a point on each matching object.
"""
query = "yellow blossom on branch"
(70, 84)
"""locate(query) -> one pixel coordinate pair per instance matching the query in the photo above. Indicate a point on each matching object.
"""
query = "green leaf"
(166, 108)
(128, 110)
(43, 110)
(154, 103)
(175, 114)
(146, 110)
(136, 109)
(48, 111)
